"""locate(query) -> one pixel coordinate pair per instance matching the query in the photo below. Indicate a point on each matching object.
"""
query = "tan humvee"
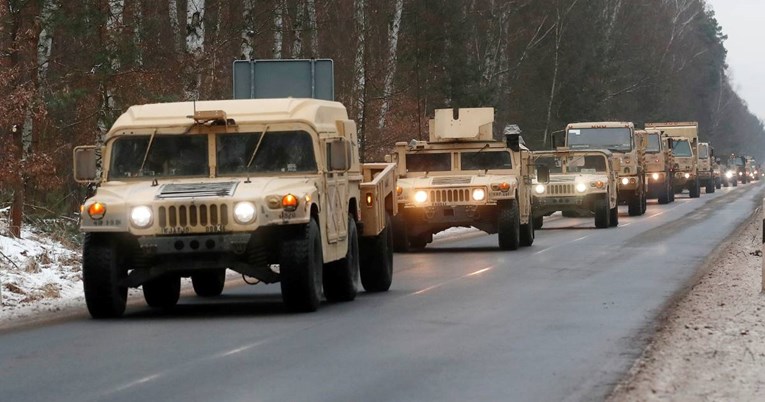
(685, 139)
(582, 182)
(659, 166)
(628, 150)
(706, 163)
(462, 177)
(270, 188)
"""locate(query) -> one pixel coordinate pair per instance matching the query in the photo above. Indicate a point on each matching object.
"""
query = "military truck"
(706, 167)
(742, 168)
(629, 156)
(659, 166)
(581, 181)
(269, 188)
(685, 140)
(462, 177)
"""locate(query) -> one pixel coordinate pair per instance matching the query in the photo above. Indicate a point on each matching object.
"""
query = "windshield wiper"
(146, 154)
(257, 146)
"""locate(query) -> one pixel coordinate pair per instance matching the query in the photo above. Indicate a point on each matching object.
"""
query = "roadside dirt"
(710, 346)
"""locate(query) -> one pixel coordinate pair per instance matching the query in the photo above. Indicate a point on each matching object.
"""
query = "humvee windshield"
(485, 160)
(589, 164)
(654, 144)
(441, 162)
(618, 139)
(681, 148)
(162, 156)
(277, 152)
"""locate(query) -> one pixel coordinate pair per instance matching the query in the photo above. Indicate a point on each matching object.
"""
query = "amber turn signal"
(97, 210)
(289, 202)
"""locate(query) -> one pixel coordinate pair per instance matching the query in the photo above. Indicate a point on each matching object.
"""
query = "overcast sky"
(742, 21)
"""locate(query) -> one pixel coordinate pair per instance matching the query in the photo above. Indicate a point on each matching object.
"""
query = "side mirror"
(388, 158)
(85, 164)
(338, 155)
(670, 144)
(711, 152)
(543, 174)
(513, 142)
(558, 140)
(717, 160)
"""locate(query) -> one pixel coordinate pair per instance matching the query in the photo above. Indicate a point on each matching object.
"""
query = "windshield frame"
(112, 147)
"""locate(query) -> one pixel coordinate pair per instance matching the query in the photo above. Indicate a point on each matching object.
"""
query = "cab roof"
(320, 113)
(602, 124)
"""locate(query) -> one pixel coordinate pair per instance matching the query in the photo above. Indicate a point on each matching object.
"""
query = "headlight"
(141, 217)
(479, 194)
(739, 173)
(420, 197)
(729, 174)
(655, 176)
(540, 188)
(625, 181)
(687, 175)
(581, 187)
(244, 212)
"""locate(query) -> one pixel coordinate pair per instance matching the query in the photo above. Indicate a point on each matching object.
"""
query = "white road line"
(438, 285)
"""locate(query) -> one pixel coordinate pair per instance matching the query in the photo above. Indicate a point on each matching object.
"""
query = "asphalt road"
(561, 320)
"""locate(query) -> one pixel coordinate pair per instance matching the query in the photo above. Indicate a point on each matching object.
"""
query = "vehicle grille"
(450, 195)
(450, 181)
(560, 189)
(192, 215)
(225, 189)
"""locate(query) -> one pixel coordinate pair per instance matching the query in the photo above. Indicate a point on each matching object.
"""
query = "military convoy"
(272, 189)
(463, 177)
(579, 181)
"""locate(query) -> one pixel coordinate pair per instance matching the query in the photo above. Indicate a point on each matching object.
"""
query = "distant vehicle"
(706, 167)
(685, 139)
(659, 166)
(629, 155)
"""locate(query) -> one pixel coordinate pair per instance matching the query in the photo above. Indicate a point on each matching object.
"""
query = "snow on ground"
(37, 274)
(712, 345)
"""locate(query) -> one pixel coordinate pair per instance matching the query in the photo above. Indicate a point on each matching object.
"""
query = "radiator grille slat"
(192, 215)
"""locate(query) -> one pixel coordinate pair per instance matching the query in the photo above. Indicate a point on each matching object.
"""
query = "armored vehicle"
(462, 177)
(659, 166)
(629, 156)
(582, 181)
(685, 140)
(269, 188)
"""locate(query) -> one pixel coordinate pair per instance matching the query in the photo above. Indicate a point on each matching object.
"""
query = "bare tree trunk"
(279, 28)
(175, 26)
(311, 9)
(359, 70)
(114, 24)
(248, 31)
(195, 39)
(297, 31)
(390, 71)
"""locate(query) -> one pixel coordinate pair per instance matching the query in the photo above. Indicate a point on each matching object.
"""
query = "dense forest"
(69, 68)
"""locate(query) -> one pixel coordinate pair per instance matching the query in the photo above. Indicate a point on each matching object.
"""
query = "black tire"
(509, 227)
(418, 242)
(664, 195)
(735, 182)
(102, 272)
(300, 266)
(614, 218)
(694, 189)
(527, 234)
(718, 184)
(209, 283)
(377, 260)
(341, 277)
(539, 222)
(400, 234)
(162, 292)
(634, 206)
(710, 186)
(643, 202)
(602, 213)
